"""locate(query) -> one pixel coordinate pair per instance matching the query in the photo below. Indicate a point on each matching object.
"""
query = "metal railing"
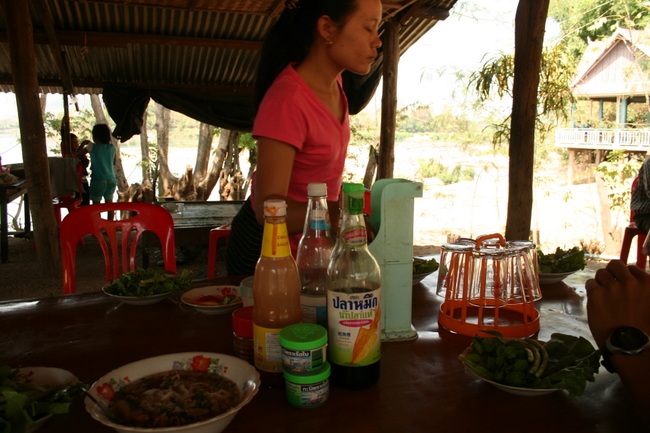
(614, 139)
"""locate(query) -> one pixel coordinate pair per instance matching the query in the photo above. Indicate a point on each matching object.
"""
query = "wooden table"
(423, 387)
(9, 193)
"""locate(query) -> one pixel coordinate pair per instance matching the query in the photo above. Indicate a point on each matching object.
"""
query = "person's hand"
(619, 295)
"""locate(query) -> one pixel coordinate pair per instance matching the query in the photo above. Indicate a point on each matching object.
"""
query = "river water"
(179, 159)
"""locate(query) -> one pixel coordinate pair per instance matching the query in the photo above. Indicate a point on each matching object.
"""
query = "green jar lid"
(303, 336)
(306, 377)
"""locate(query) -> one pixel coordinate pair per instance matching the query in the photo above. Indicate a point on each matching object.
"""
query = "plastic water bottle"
(314, 253)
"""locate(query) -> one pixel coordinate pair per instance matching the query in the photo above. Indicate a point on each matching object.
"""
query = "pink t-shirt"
(290, 112)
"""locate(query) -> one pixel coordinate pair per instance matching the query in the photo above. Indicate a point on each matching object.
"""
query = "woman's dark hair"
(293, 35)
(101, 133)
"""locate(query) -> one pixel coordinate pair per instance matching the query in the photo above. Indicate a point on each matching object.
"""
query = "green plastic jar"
(308, 389)
(304, 347)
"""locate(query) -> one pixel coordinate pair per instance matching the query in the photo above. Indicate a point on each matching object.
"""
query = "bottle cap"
(303, 336)
(305, 378)
(353, 196)
(242, 322)
(317, 189)
(275, 207)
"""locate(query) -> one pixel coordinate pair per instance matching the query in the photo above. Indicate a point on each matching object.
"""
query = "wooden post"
(32, 134)
(390, 42)
(530, 22)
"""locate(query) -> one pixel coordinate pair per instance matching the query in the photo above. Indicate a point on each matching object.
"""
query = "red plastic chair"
(630, 232)
(216, 234)
(72, 201)
(87, 220)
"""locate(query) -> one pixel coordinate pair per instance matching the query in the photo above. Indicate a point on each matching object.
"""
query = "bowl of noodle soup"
(191, 392)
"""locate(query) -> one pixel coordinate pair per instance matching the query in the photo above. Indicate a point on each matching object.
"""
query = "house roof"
(607, 67)
(188, 49)
(198, 44)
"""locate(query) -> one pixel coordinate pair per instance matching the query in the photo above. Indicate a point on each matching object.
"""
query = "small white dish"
(44, 376)
(134, 300)
(553, 278)
(190, 298)
(524, 392)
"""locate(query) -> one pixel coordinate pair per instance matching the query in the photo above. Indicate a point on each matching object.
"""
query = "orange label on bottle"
(275, 242)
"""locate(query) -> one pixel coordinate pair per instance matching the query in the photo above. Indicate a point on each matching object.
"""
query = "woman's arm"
(274, 164)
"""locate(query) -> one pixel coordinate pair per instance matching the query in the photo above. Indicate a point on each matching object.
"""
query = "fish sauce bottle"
(353, 300)
(314, 253)
(276, 290)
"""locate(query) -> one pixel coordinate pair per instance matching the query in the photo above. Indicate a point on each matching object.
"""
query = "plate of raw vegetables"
(555, 267)
(528, 367)
(147, 286)
(423, 268)
(34, 394)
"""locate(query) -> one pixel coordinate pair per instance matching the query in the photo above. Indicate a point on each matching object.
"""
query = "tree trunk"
(206, 133)
(530, 21)
(390, 40)
(144, 150)
(168, 182)
(98, 109)
(32, 133)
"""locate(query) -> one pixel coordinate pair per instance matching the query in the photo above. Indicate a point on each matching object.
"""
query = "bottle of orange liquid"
(276, 290)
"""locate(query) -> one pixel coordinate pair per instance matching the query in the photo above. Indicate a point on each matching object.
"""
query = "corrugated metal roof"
(178, 43)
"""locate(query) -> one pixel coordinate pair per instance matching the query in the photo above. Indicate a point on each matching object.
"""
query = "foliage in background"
(496, 77)
(584, 20)
(81, 124)
(618, 169)
(429, 168)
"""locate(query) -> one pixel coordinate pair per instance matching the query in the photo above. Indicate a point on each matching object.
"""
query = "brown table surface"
(423, 387)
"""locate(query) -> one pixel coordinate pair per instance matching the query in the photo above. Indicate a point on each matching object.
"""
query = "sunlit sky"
(426, 70)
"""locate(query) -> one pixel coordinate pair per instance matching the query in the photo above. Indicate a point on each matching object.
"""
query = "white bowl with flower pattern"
(238, 370)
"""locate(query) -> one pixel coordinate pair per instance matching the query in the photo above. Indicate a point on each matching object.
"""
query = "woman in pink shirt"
(302, 126)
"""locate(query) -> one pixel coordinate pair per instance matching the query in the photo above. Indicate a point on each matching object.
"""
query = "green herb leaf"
(148, 282)
(561, 260)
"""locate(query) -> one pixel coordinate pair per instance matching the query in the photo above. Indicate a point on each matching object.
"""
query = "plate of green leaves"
(148, 286)
(555, 267)
(528, 367)
(30, 396)
(423, 268)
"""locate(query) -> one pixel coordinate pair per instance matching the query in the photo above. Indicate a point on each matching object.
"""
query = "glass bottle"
(314, 253)
(276, 290)
(354, 300)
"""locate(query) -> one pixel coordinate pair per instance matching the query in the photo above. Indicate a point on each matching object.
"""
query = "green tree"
(584, 20)
(495, 79)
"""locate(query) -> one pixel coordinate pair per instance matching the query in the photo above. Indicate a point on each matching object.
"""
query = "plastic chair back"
(119, 252)
(635, 182)
(72, 201)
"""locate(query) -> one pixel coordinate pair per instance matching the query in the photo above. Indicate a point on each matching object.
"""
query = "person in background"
(103, 182)
(618, 311)
(74, 147)
(301, 125)
(640, 204)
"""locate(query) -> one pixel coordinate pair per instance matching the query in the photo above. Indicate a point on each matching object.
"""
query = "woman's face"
(354, 45)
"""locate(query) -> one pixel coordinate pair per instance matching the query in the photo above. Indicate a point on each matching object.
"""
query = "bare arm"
(619, 295)
(274, 165)
(82, 150)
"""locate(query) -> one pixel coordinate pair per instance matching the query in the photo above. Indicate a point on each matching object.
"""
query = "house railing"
(613, 139)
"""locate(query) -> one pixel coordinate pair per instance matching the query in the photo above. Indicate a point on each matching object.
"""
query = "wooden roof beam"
(57, 52)
(122, 40)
